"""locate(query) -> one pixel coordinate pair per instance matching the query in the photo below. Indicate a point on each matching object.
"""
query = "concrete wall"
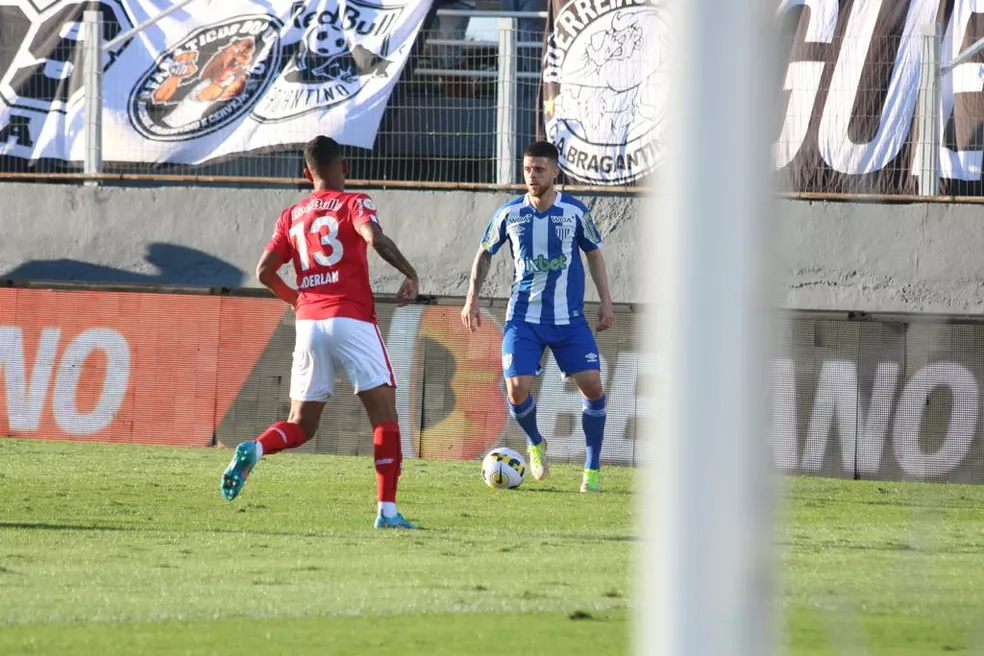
(214, 237)
(838, 256)
(926, 257)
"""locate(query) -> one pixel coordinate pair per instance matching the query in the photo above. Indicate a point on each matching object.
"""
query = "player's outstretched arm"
(470, 316)
(266, 272)
(386, 248)
(596, 265)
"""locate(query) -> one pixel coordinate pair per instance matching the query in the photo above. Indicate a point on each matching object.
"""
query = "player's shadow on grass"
(42, 526)
(559, 490)
(329, 533)
(886, 548)
(176, 265)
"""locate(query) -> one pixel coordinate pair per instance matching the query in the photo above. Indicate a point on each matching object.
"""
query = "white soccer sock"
(387, 508)
(259, 449)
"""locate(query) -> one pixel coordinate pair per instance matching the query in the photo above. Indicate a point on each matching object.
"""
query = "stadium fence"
(886, 112)
(458, 118)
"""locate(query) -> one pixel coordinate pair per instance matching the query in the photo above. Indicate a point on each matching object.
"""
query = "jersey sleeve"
(362, 209)
(280, 241)
(588, 237)
(495, 233)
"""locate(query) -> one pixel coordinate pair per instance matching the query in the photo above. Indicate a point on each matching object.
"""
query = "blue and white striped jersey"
(548, 286)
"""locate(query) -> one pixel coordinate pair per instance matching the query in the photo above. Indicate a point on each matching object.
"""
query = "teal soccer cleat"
(396, 521)
(235, 474)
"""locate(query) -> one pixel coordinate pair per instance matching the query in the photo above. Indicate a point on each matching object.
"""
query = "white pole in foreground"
(706, 506)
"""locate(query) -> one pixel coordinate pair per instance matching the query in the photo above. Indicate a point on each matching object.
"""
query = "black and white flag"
(214, 79)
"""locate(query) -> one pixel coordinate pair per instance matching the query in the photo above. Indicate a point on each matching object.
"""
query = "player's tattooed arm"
(480, 269)
(387, 249)
(470, 314)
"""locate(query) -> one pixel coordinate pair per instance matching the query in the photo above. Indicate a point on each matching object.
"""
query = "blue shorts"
(572, 346)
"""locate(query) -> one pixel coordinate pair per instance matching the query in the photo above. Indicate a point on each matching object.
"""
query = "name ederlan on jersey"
(327, 228)
(256, 65)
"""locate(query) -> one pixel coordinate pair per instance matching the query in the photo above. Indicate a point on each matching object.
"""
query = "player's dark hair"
(542, 149)
(321, 152)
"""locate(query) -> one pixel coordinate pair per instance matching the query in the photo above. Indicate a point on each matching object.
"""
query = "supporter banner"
(605, 87)
(849, 85)
(213, 79)
(851, 89)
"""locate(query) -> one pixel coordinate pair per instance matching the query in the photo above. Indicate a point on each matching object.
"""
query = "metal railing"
(511, 108)
(506, 76)
(927, 165)
(431, 138)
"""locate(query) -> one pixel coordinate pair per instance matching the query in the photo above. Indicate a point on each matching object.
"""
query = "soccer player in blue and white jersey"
(546, 231)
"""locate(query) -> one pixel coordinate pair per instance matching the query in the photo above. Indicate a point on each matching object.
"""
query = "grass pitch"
(112, 549)
(131, 549)
(882, 568)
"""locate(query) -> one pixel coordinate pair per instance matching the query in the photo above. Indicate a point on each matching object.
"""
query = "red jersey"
(321, 236)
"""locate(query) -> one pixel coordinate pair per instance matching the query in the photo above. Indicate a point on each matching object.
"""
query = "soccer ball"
(321, 44)
(503, 468)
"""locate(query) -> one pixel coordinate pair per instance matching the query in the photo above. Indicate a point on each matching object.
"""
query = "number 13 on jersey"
(329, 251)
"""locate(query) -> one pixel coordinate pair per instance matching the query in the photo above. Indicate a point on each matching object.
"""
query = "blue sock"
(593, 422)
(525, 415)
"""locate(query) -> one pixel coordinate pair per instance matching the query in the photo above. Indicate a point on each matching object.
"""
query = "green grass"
(130, 549)
(882, 568)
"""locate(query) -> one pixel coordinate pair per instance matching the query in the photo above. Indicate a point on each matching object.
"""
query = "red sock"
(281, 436)
(388, 454)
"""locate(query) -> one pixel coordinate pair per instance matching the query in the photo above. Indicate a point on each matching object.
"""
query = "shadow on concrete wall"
(176, 265)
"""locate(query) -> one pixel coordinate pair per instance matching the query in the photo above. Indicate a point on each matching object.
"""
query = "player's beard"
(538, 190)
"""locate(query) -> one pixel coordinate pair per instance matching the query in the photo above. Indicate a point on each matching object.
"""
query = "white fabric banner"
(606, 86)
(215, 78)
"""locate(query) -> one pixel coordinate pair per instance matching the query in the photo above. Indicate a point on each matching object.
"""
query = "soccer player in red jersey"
(326, 237)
